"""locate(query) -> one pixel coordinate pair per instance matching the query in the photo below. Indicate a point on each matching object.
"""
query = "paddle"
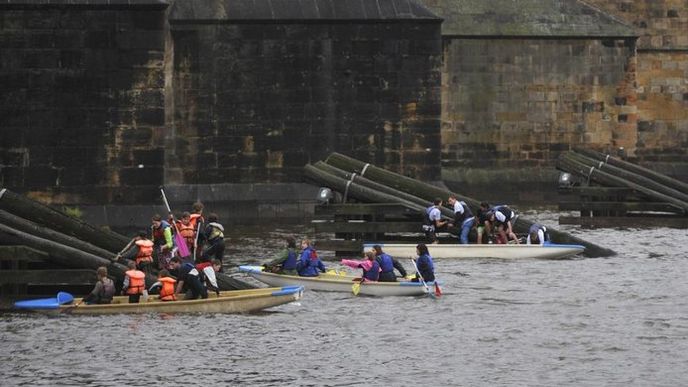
(356, 287)
(119, 255)
(427, 289)
(181, 242)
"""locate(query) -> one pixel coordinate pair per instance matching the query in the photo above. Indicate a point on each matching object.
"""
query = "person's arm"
(180, 285)
(541, 237)
(321, 266)
(125, 284)
(97, 290)
(168, 237)
(279, 259)
(397, 265)
(131, 253)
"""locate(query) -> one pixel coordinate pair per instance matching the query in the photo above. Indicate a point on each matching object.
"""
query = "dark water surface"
(580, 322)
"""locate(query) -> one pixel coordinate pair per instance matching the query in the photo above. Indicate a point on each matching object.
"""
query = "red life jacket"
(167, 290)
(137, 281)
(145, 251)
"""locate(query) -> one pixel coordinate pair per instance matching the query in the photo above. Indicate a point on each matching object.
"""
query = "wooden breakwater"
(610, 192)
(363, 182)
(43, 250)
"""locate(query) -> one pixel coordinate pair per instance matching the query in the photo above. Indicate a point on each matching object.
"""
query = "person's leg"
(481, 231)
(465, 229)
(134, 298)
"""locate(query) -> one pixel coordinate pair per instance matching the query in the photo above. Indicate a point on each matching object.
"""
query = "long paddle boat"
(498, 251)
(336, 282)
(234, 301)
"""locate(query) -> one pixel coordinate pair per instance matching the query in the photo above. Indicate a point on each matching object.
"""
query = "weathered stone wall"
(255, 102)
(515, 105)
(662, 80)
(81, 101)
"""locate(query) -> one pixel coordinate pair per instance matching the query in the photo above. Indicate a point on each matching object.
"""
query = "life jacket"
(137, 281)
(167, 290)
(159, 233)
(426, 217)
(385, 262)
(195, 220)
(309, 263)
(108, 291)
(373, 274)
(459, 218)
(290, 262)
(216, 232)
(426, 267)
(534, 228)
(506, 211)
(187, 231)
(145, 251)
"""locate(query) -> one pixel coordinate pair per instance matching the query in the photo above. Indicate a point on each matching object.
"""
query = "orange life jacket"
(167, 290)
(145, 251)
(187, 231)
(137, 281)
(195, 219)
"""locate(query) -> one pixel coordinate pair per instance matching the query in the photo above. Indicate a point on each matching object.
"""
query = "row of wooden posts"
(610, 192)
(366, 183)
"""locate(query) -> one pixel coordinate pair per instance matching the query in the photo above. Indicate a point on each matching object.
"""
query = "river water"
(581, 322)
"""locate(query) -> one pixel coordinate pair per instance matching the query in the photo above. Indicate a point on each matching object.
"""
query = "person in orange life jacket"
(162, 240)
(370, 266)
(141, 252)
(197, 221)
(309, 264)
(214, 237)
(482, 222)
(463, 217)
(104, 290)
(501, 217)
(387, 265)
(206, 273)
(188, 279)
(134, 283)
(285, 262)
(166, 285)
(432, 221)
(537, 235)
(187, 230)
(424, 264)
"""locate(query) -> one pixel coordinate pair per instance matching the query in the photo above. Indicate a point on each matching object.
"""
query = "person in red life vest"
(187, 230)
(214, 237)
(370, 266)
(167, 286)
(162, 241)
(141, 252)
(134, 283)
(309, 264)
(104, 290)
(197, 221)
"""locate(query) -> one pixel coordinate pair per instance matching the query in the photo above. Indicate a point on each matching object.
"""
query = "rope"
(590, 173)
(364, 169)
(348, 183)
(606, 159)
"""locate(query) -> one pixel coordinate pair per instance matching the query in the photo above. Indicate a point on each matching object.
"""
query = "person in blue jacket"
(424, 264)
(387, 265)
(285, 262)
(309, 264)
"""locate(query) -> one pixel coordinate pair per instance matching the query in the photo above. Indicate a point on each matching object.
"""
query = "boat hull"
(337, 283)
(239, 301)
(456, 251)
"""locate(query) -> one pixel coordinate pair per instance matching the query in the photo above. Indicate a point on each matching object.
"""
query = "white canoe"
(546, 251)
(337, 283)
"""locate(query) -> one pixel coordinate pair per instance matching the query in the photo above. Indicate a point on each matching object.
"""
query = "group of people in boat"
(377, 265)
(491, 223)
(157, 250)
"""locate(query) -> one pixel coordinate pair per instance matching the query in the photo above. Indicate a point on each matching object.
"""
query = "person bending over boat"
(104, 290)
(188, 279)
(285, 262)
(424, 264)
(502, 217)
(537, 235)
(309, 265)
(432, 221)
(387, 265)
(134, 283)
(213, 236)
(463, 217)
(206, 273)
(166, 284)
(162, 241)
(141, 252)
(482, 222)
(370, 266)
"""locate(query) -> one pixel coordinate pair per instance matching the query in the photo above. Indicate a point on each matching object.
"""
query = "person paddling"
(370, 266)
(309, 264)
(387, 265)
(424, 264)
(104, 290)
(285, 262)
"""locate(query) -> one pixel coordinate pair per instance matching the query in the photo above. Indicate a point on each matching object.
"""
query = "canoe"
(337, 283)
(546, 251)
(234, 301)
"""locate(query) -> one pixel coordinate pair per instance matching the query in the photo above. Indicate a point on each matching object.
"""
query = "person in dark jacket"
(424, 264)
(285, 263)
(188, 279)
(309, 265)
(214, 240)
(104, 290)
(387, 265)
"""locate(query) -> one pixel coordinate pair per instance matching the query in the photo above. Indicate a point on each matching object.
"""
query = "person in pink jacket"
(370, 266)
